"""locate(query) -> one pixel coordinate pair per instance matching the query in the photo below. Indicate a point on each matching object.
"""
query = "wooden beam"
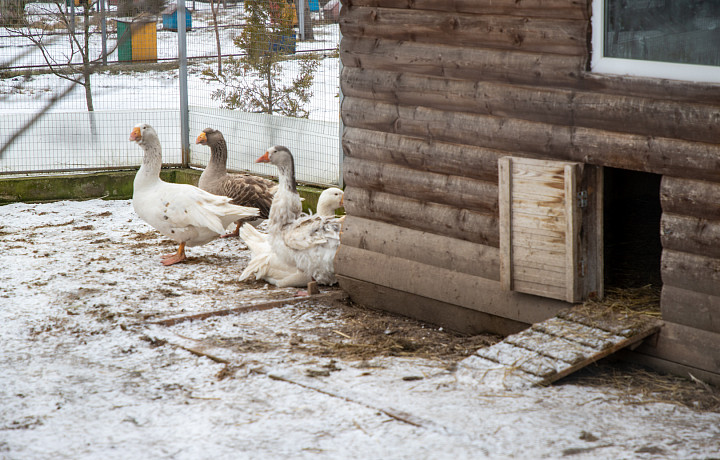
(444, 285)
(690, 234)
(452, 190)
(687, 346)
(423, 247)
(542, 69)
(691, 308)
(690, 197)
(584, 145)
(544, 35)
(422, 154)
(570, 9)
(691, 272)
(431, 217)
(322, 297)
(648, 116)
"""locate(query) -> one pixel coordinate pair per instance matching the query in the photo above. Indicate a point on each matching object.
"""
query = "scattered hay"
(639, 385)
(644, 300)
(361, 334)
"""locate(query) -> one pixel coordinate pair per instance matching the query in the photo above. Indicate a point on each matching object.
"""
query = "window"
(675, 39)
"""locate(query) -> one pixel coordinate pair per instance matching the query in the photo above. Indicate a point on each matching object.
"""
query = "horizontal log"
(669, 90)
(545, 35)
(571, 9)
(691, 272)
(585, 145)
(620, 113)
(443, 285)
(422, 154)
(690, 308)
(426, 216)
(542, 69)
(690, 234)
(515, 67)
(456, 191)
(687, 346)
(449, 316)
(690, 197)
(423, 247)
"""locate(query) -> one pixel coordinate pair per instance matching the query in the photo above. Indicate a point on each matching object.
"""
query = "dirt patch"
(360, 334)
(364, 334)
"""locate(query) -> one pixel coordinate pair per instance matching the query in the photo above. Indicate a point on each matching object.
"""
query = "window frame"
(601, 64)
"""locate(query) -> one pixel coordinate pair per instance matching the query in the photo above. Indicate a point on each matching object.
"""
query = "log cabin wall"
(435, 92)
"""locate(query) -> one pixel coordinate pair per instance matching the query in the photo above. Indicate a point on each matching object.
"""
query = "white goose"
(266, 265)
(308, 242)
(183, 213)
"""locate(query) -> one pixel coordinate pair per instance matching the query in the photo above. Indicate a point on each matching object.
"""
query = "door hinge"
(582, 198)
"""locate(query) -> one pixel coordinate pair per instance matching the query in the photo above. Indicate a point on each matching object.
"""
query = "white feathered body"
(266, 265)
(312, 242)
(297, 246)
(183, 213)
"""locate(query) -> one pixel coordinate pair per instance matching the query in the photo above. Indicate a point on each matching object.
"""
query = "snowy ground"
(84, 376)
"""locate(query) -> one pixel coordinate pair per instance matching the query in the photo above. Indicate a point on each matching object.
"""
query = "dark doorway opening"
(632, 246)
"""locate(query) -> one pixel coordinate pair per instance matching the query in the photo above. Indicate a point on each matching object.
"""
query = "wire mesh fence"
(75, 77)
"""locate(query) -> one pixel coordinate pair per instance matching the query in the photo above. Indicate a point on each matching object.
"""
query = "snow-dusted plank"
(526, 360)
(555, 348)
(584, 335)
(622, 324)
(551, 346)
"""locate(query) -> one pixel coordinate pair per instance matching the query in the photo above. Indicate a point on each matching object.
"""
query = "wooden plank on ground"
(559, 346)
(324, 296)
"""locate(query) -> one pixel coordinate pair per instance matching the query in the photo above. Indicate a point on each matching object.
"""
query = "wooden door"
(551, 228)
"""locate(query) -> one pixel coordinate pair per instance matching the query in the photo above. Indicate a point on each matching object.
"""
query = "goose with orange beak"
(243, 189)
(307, 242)
(184, 213)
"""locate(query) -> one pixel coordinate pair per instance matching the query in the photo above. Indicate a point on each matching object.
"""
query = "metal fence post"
(341, 182)
(103, 31)
(182, 75)
(301, 19)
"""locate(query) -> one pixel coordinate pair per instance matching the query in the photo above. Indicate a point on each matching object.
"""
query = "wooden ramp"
(559, 346)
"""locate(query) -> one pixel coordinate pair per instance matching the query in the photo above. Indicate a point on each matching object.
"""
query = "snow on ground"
(84, 376)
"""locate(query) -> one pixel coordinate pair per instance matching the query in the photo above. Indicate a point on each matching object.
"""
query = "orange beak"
(135, 134)
(264, 159)
(201, 139)
(342, 200)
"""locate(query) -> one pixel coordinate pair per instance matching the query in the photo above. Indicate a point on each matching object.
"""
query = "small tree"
(254, 82)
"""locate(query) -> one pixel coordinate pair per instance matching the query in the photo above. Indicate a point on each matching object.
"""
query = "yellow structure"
(141, 45)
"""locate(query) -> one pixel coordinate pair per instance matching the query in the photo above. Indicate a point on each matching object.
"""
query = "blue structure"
(169, 18)
(314, 6)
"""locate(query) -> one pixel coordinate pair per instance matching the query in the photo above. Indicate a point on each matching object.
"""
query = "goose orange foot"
(179, 256)
(232, 234)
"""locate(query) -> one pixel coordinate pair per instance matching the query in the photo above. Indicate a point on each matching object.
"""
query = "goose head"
(330, 199)
(143, 133)
(282, 158)
(278, 155)
(208, 136)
